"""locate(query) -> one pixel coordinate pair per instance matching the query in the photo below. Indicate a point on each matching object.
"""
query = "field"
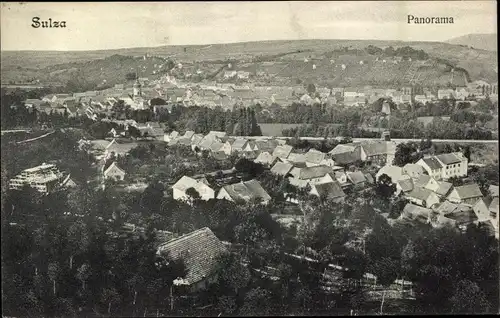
(276, 129)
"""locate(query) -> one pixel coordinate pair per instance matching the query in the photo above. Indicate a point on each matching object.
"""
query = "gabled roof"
(206, 143)
(315, 156)
(375, 148)
(214, 133)
(346, 158)
(394, 172)
(422, 181)
(444, 188)
(267, 145)
(469, 191)
(419, 194)
(282, 151)
(343, 148)
(330, 190)
(265, 158)
(433, 163)
(307, 173)
(281, 168)
(216, 146)
(296, 157)
(112, 167)
(199, 251)
(412, 169)
(406, 185)
(188, 134)
(415, 212)
(185, 183)
(239, 143)
(246, 191)
(448, 158)
(356, 177)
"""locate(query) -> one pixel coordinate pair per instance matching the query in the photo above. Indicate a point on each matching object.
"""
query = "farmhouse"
(244, 192)
(114, 172)
(199, 251)
(180, 189)
(467, 194)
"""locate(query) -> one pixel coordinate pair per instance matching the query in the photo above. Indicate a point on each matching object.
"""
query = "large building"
(445, 166)
(44, 178)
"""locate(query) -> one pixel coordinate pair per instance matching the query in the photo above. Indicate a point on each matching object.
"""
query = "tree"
(468, 298)
(384, 186)
(405, 153)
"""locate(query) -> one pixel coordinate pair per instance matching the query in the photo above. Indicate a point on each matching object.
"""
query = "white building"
(180, 188)
(44, 178)
(445, 166)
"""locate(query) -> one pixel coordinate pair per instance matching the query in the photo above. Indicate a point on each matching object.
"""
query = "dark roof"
(199, 250)
(356, 177)
(422, 180)
(469, 191)
(419, 194)
(406, 185)
(448, 158)
(312, 172)
(346, 158)
(415, 212)
(369, 178)
(375, 148)
(281, 168)
(444, 188)
(246, 191)
(433, 163)
(331, 190)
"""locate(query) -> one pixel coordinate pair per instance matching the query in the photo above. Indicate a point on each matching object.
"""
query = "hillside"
(478, 41)
(283, 61)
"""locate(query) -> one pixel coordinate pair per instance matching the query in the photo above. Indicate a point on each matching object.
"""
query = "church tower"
(137, 89)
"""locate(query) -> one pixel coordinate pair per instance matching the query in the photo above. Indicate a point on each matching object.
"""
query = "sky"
(95, 26)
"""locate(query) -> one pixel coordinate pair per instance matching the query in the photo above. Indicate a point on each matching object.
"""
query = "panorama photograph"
(217, 159)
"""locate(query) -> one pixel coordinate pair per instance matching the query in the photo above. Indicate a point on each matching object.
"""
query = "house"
(315, 158)
(343, 148)
(239, 145)
(297, 159)
(415, 213)
(301, 177)
(216, 134)
(378, 152)
(216, 146)
(423, 197)
(467, 194)
(482, 210)
(341, 177)
(454, 165)
(440, 188)
(347, 158)
(188, 134)
(244, 192)
(114, 172)
(432, 166)
(282, 151)
(413, 170)
(266, 159)
(180, 188)
(266, 145)
(404, 186)
(171, 136)
(199, 251)
(281, 168)
(394, 172)
(328, 190)
(118, 149)
(357, 178)
(422, 181)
